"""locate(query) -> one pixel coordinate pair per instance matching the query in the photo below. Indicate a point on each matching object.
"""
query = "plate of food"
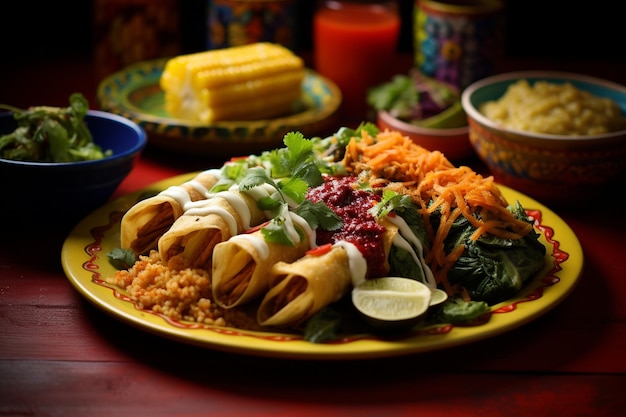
(306, 252)
(233, 115)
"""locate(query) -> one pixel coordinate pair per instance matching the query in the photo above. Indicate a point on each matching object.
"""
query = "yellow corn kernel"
(249, 82)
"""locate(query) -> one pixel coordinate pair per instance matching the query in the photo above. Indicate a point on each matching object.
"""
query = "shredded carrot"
(392, 157)
(394, 161)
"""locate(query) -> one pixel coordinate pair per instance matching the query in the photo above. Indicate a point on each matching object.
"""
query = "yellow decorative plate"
(84, 259)
(134, 93)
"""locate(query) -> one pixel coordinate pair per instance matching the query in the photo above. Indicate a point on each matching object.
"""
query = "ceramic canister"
(458, 41)
(126, 32)
(240, 22)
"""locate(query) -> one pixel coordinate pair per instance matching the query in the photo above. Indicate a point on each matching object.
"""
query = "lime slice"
(438, 296)
(391, 299)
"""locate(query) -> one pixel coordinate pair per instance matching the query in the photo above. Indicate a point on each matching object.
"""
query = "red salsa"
(360, 228)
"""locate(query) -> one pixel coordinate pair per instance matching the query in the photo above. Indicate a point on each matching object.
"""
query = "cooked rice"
(176, 291)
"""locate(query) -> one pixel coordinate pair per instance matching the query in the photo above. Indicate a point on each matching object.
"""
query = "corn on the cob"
(249, 82)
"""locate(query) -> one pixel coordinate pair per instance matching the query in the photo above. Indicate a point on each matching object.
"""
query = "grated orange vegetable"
(392, 157)
(394, 161)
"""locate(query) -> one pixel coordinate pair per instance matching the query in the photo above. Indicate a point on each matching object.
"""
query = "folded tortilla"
(300, 289)
(145, 222)
(241, 266)
(207, 223)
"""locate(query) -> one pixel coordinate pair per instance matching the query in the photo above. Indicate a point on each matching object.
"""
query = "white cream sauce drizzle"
(178, 193)
(232, 196)
(356, 262)
(259, 244)
(234, 199)
(290, 229)
(306, 228)
(223, 213)
(198, 186)
(401, 240)
(259, 192)
(290, 202)
(206, 207)
(239, 204)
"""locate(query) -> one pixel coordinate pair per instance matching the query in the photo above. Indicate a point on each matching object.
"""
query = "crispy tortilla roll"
(302, 288)
(195, 234)
(149, 219)
(241, 266)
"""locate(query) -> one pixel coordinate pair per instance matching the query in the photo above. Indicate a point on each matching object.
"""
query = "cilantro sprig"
(345, 134)
(391, 201)
(291, 171)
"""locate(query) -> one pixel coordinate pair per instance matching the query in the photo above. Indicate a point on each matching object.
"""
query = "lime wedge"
(453, 116)
(437, 296)
(391, 299)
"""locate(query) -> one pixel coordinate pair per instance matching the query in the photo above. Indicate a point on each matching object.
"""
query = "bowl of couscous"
(557, 136)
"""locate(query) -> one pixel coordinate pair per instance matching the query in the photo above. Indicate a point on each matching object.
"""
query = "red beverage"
(354, 44)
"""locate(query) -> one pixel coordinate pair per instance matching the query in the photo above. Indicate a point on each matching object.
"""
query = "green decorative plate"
(134, 93)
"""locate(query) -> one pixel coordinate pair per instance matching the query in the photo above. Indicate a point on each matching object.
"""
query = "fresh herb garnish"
(319, 215)
(323, 326)
(279, 228)
(458, 311)
(345, 134)
(122, 258)
(230, 174)
(293, 170)
(391, 201)
(51, 134)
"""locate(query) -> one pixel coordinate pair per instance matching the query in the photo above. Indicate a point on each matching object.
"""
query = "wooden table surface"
(62, 356)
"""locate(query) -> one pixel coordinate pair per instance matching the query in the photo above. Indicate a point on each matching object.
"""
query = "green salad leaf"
(323, 326)
(51, 134)
(458, 311)
(493, 269)
(121, 258)
(419, 100)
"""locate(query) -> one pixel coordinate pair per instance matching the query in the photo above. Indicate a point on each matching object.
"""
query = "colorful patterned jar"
(458, 41)
(127, 32)
(240, 22)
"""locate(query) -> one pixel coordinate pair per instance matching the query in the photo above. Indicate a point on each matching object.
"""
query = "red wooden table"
(61, 356)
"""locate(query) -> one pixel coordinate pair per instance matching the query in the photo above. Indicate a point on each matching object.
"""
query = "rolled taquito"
(145, 222)
(207, 223)
(241, 265)
(300, 289)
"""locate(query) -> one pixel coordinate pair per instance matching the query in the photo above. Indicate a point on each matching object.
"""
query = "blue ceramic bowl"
(49, 195)
(556, 169)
